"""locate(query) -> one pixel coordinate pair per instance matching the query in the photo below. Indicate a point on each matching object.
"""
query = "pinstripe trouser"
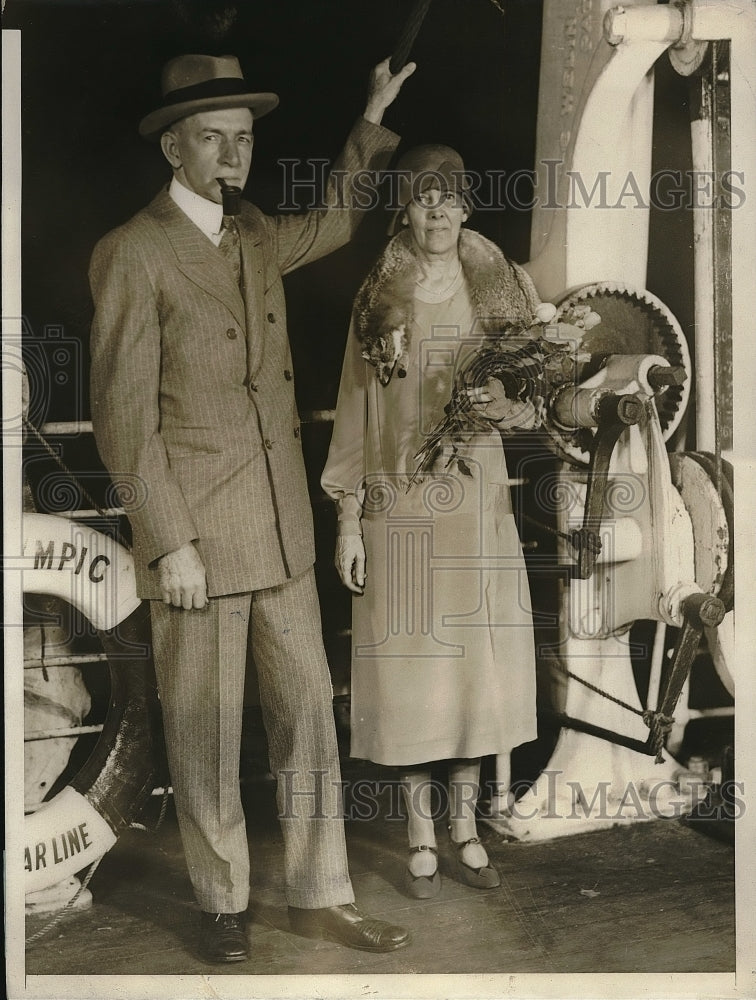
(200, 659)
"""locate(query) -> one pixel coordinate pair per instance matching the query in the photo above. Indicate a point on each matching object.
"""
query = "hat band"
(222, 86)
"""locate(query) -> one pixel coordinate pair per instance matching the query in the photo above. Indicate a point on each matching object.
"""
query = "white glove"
(350, 562)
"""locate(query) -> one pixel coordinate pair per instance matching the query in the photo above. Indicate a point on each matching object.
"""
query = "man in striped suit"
(193, 393)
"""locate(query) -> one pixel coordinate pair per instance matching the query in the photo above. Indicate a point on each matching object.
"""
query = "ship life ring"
(95, 574)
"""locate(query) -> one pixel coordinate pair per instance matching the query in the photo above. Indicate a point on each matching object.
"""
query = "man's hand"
(383, 88)
(492, 403)
(350, 562)
(182, 578)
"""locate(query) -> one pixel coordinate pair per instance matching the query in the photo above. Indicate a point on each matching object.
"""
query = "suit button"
(231, 333)
(253, 386)
(296, 432)
(271, 317)
(268, 443)
(287, 375)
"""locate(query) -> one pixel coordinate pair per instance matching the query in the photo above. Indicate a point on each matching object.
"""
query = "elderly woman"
(442, 645)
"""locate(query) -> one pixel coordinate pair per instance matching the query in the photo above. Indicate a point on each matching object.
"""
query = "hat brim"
(154, 124)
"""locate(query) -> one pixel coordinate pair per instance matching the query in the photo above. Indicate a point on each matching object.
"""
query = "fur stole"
(500, 291)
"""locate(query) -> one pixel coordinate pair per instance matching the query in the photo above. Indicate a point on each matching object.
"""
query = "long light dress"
(442, 640)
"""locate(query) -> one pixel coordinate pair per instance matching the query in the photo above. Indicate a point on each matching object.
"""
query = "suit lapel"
(197, 257)
(253, 281)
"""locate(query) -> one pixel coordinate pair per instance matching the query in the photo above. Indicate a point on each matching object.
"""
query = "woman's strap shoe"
(479, 878)
(348, 926)
(223, 938)
(422, 886)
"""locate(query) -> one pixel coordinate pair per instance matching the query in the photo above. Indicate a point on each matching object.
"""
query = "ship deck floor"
(649, 897)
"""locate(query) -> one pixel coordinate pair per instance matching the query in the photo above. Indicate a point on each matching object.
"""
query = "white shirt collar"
(206, 215)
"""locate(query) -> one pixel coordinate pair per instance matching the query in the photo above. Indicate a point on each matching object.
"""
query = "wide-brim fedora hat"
(194, 83)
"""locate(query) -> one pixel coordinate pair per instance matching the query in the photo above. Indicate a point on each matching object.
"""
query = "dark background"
(92, 70)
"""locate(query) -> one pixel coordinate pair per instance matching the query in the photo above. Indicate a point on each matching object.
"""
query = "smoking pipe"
(231, 195)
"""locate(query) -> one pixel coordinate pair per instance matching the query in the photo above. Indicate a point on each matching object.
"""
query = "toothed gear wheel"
(632, 322)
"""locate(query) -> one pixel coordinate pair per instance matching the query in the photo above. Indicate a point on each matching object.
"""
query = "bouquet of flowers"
(531, 360)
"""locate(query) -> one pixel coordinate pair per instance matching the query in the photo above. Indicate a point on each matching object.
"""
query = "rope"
(93, 868)
(56, 457)
(545, 527)
(59, 916)
(581, 539)
(658, 723)
(660, 726)
(598, 690)
(161, 817)
(569, 537)
(62, 465)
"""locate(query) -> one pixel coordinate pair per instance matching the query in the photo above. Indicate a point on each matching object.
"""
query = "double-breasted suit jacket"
(192, 383)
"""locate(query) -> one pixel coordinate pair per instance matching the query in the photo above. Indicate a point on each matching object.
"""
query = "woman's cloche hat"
(192, 83)
(429, 166)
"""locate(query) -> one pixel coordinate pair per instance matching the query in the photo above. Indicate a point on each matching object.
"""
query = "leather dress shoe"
(223, 938)
(349, 927)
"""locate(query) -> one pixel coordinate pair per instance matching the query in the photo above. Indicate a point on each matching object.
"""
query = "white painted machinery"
(648, 532)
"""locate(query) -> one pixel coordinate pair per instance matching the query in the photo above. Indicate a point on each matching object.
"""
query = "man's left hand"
(491, 402)
(383, 88)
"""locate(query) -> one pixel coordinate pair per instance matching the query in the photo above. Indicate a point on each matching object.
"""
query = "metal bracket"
(614, 414)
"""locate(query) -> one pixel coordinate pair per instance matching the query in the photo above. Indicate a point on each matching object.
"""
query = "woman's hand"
(350, 562)
(491, 402)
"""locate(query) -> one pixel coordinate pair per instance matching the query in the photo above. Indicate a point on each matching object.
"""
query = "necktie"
(230, 245)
